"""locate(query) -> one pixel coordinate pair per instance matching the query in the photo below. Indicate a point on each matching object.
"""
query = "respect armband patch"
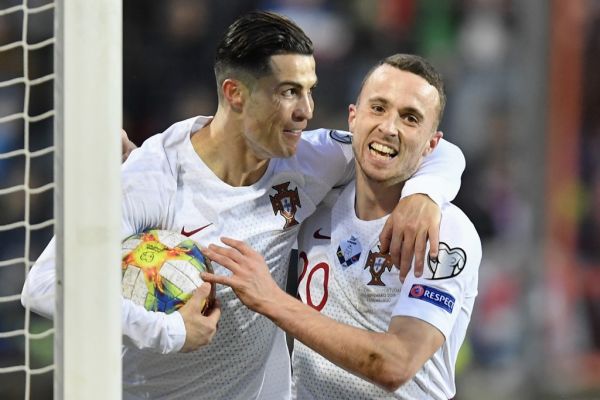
(434, 296)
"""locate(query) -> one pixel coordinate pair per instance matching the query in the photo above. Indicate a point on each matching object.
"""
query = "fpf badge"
(377, 263)
(286, 202)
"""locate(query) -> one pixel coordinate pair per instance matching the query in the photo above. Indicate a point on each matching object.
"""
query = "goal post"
(88, 101)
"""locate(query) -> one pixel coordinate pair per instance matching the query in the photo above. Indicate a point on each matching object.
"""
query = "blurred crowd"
(494, 58)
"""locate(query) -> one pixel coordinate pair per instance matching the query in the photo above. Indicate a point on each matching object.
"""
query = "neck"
(221, 146)
(375, 200)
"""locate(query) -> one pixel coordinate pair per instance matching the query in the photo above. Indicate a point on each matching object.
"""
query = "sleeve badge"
(449, 263)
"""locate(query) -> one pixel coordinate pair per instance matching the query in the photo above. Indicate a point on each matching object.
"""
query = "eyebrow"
(383, 100)
(295, 84)
(378, 99)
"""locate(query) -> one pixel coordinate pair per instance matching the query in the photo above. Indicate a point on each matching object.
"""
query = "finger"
(229, 252)
(220, 279)
(124, 141)
(198, 296)
(385, 237)
(214, 314)
(239, 245)
(395, 247)
(407, 253)
(420, 247)
(222, 257)
(203, 291)
(434, 241)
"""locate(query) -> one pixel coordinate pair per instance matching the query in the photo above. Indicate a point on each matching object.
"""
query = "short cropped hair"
(418, 66)
(252, 39)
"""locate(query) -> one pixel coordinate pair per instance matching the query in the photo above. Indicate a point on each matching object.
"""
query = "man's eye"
(288, 93)
(377, 108)
(411, 119)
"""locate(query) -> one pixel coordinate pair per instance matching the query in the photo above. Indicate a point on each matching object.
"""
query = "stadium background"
(523, 104)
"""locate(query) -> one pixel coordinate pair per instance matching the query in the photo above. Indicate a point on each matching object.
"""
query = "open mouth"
(382, 151)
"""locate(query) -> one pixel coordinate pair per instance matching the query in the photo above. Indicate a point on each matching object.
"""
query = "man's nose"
(390, 126)
(305, 109)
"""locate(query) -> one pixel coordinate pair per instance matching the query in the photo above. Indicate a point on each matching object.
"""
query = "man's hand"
(199, 329)
(127, 146)
(250, 280)
(415, 219)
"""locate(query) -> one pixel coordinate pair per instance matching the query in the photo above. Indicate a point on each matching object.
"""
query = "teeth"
(383, 149)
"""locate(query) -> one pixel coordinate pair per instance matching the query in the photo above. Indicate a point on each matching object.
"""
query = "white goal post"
(88, 101)
(86, 79)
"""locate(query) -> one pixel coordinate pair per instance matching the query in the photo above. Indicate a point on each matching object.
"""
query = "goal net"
(60, 115)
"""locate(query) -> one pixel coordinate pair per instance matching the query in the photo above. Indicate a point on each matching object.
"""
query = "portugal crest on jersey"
(377, 263)
(286, 202)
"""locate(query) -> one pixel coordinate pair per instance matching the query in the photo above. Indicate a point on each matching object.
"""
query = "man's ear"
(233, 93)
(351, 117)
(433, 142)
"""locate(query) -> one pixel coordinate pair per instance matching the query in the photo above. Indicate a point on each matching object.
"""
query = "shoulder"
(160, 152)
(325, 141)
(322, 155)
(328, 137)
(456, 223)
(167, 142)
(154, 166)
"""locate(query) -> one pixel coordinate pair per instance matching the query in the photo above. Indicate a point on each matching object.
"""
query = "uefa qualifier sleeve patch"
(434, 296)
(343, 138)
(449, 263)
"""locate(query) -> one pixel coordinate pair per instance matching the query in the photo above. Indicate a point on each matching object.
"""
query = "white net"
(26, 190)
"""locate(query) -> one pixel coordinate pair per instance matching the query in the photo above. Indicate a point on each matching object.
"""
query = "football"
(161, 269)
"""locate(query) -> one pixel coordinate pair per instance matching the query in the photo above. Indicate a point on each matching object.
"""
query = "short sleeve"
(438, 296)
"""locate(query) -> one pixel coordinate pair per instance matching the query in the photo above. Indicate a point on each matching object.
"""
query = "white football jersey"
(344, 276)
(166, 185)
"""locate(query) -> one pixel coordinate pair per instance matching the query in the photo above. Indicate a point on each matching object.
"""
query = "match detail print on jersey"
(340, 137)
(286, 202)
(348, 252)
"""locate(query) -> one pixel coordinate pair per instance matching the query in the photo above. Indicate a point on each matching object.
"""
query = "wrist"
(275, 307)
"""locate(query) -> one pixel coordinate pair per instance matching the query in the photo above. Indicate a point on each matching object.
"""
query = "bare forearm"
(387, 359)
(378, 357)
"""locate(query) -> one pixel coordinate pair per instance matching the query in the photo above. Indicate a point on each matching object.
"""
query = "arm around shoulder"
(439, 175)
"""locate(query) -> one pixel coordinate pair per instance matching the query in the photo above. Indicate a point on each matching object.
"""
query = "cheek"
(264, 114)
(410, 150)
(262, 104)
(359, 143)
(273, 112)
